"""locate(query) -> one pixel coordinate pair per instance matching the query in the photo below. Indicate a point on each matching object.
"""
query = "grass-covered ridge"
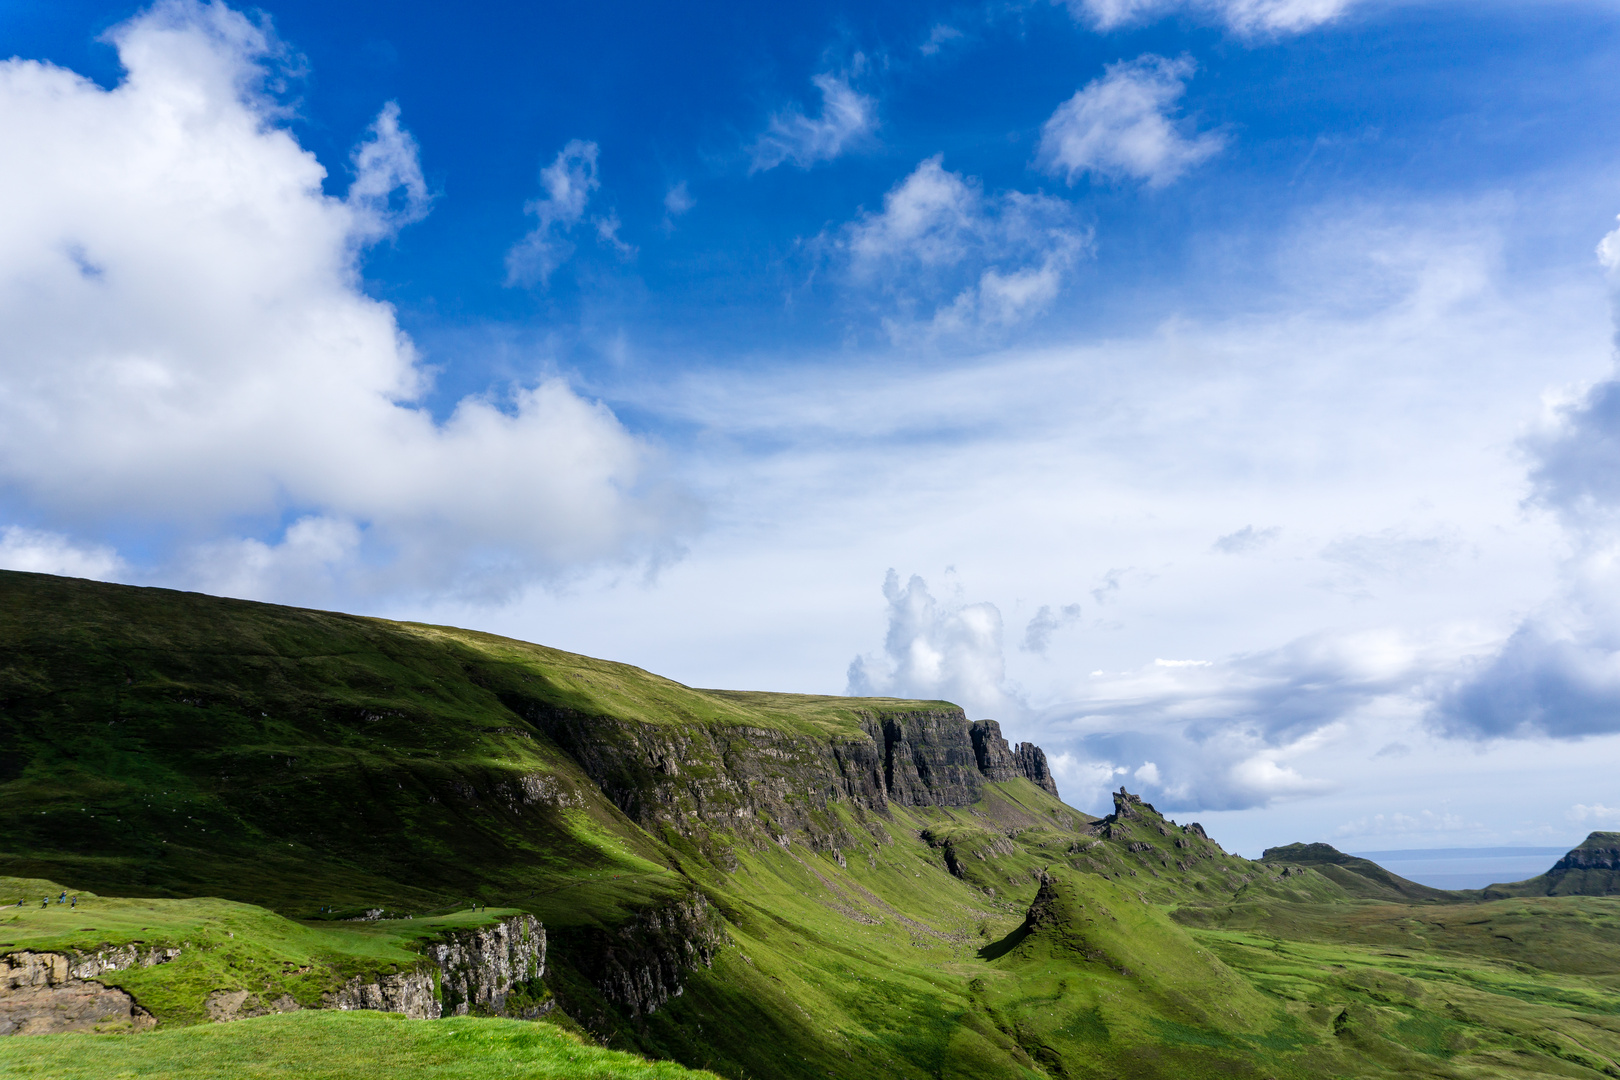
(260, 775)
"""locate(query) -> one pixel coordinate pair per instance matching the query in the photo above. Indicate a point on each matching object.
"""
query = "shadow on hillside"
(997, 949)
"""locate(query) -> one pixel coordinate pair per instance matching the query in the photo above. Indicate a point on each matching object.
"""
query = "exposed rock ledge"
(45, 993)
(491, 970)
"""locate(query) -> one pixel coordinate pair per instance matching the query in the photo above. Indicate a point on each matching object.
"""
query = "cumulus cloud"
(1246, 17)
(1045, 623)
(188, 341)
(957, 259)
(934, 650)
(847, 116)
(567, 183)
(42, 552)
(1122, 125)
(1558, 673)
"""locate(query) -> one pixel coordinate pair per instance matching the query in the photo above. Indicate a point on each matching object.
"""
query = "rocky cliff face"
(645, 962)
(1601, 851)
(998, 761)
(493, 970)
(692, 778)
(408, 992)
(49, 993)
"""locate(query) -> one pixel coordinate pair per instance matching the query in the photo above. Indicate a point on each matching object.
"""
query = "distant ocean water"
(1466, 868)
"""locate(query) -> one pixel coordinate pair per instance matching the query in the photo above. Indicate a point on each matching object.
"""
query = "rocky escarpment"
(645, 962)
(490, 970)
(408, 992)
(693, 778)
(998, 761)
(44, 993)
(1600, 851)
(493, 970)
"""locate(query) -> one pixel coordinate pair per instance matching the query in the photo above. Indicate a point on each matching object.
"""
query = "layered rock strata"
(45, 993)
(697, 777)
(645, 962)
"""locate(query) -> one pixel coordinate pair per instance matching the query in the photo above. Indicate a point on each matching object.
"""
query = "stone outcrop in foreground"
(48, 993)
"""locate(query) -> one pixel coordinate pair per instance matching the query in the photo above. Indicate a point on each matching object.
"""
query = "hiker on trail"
(45, 903)
(63, 898)
(74, 902)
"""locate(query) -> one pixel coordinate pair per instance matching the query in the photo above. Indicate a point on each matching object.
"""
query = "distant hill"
(1592, 869)
(1357, 876)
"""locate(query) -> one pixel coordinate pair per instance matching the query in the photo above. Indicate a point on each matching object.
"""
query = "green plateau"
(238, 839)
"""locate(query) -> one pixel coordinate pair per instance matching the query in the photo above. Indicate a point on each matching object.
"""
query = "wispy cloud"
(1123, 125)
(1245, 17)
(847, 116)
(1245, 540)
(1045, 623)
(568, 184)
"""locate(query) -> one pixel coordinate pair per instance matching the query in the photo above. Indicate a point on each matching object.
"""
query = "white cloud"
(1558, 673)
(1246, 17)
(938, 35)
(678, 200)
(41, 552)
(568, 183)
(1121, 125)
(949, 651)
(956, 259)
(847, 116)
(388, 191)
(188, 343)
(1596, 813)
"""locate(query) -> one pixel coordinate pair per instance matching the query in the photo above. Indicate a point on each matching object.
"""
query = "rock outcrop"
(408, 992)
(45, 993)
(645, 962)
(493, 970)
(1599, 851)
(749, 779)
(998, 761)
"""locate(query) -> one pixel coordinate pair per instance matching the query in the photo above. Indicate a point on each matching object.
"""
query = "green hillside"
(756, 884)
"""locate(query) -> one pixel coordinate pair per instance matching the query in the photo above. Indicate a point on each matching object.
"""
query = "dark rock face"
(998, 761)
(1601, 851)
(694, 778)
(995, 757)
(644, 962)
(929, 760)
(1032, 766)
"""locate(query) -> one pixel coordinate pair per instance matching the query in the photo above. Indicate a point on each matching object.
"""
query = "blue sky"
(1226, 383)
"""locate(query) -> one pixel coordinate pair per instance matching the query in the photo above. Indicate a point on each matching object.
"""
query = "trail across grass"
(332, 1046)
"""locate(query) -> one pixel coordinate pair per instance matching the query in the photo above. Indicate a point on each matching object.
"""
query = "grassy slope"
(172, 744)
(333, 1046)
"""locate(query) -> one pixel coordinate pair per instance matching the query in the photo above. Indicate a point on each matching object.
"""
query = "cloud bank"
(189, 347)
